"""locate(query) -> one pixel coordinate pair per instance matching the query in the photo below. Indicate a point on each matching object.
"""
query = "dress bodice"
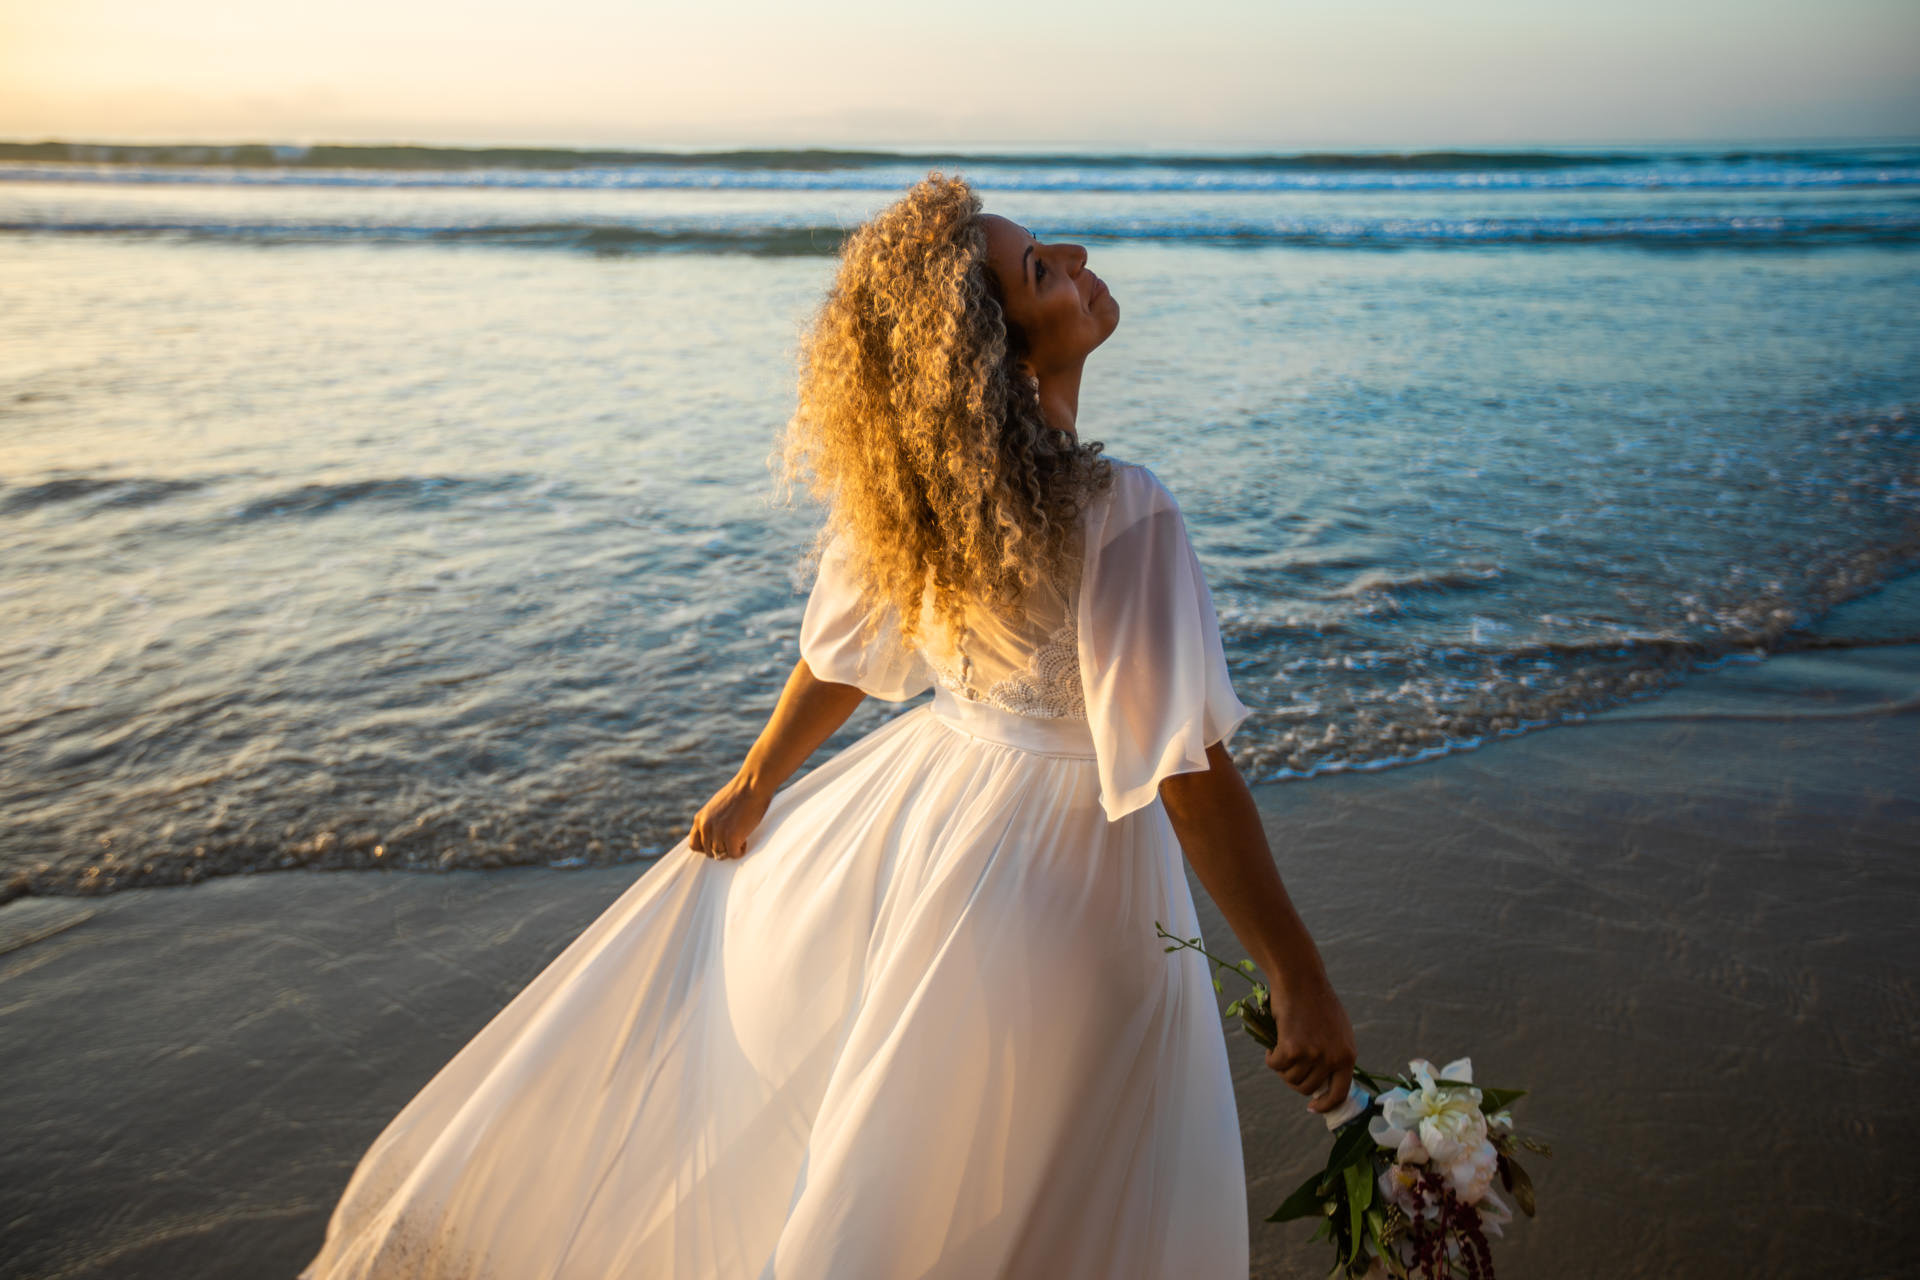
(1126, 651)
(1029, 668)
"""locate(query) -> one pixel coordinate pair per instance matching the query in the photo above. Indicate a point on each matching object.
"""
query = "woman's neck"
(1059, 393)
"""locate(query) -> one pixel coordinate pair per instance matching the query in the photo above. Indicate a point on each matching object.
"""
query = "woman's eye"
(1039, 271)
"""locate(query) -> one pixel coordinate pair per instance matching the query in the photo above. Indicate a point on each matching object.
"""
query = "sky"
(1268, 73)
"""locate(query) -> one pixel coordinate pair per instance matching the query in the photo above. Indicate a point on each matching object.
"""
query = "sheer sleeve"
(830, 639)
(1152, 667)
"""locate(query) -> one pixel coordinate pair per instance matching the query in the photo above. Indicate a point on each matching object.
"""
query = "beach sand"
(1691, 938)
(1685, 924)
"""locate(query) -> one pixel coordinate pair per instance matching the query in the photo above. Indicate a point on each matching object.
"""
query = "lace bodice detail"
(1048, 687)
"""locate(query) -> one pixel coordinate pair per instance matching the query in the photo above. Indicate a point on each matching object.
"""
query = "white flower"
(1471, 1175)
(1493, 1214)
(1404, 1143)
(1447, 1121)
(1396, 1184)
(1410, 1150)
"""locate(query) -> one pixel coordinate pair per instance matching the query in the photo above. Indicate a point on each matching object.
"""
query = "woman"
(909, 1016)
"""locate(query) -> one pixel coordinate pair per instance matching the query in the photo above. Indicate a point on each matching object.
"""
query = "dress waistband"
(1043, 735)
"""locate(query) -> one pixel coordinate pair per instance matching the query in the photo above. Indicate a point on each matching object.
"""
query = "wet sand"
(1688, 928)
(1685, 924)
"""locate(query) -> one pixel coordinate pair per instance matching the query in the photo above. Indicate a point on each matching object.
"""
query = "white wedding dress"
(922, 1028)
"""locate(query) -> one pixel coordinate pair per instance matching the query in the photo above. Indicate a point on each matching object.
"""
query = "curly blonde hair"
(918, 431)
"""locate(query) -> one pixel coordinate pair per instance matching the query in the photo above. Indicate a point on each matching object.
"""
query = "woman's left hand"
(721, 828)
(1314, 1050)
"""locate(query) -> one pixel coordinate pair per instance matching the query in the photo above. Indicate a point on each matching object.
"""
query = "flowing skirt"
(923, 1028)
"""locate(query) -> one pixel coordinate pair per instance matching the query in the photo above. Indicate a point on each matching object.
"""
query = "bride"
(908, 1016)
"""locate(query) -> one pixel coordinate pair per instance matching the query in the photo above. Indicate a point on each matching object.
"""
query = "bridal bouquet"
(1409, 1192)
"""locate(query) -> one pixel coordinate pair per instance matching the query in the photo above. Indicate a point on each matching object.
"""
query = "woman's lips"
(1099, 287)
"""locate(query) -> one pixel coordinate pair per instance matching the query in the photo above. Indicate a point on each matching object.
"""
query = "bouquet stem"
(1255, 1009)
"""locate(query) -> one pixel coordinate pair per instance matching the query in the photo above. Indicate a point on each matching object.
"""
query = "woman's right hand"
(721, 828)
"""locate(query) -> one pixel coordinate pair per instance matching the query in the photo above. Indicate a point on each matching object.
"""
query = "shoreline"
(1683, 925)
(1884, 616)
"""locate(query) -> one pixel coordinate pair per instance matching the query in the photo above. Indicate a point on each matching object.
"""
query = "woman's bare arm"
(1219, 829)
(808, 713)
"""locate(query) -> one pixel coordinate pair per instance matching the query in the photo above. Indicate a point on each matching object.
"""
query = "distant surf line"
(615, 238)
(409, 157)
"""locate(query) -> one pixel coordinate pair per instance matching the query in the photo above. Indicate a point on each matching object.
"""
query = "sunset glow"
(850, 72)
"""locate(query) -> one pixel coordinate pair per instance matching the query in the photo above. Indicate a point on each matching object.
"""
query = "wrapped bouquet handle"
(1351, 1106)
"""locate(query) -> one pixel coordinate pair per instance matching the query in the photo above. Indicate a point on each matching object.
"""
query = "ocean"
(410, 507)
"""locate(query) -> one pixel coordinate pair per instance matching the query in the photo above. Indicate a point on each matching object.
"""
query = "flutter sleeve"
(831, 643)
(1151, 663)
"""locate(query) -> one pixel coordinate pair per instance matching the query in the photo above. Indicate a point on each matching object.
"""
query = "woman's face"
(1063, 309)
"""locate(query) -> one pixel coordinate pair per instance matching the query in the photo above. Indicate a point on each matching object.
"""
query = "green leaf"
(1247, 965)
(1304, 1202)
(1376, 1227)
(1359, 1195)
(1515, 1179)
(1217, 986)
(1491, 1100)
(1353, 1145)
(1360, 1181)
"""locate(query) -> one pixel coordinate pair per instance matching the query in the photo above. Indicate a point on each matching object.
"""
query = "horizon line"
(909, 150)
